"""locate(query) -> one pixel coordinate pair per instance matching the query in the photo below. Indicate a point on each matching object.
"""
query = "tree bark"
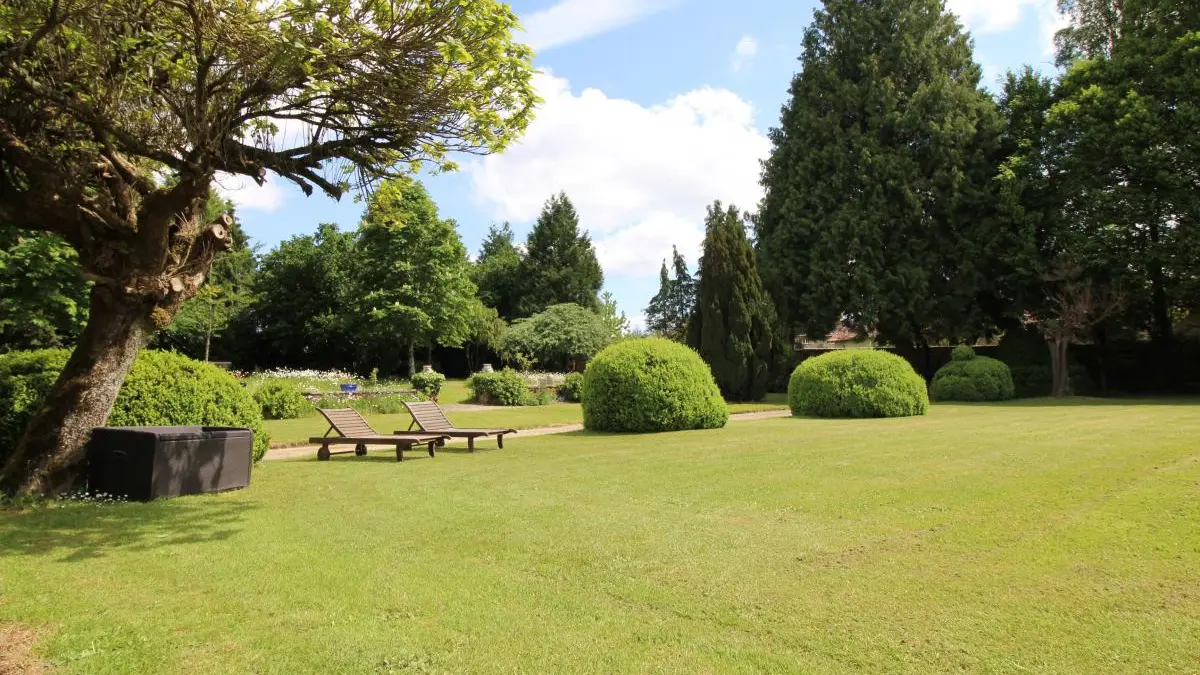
(48, 458)
(1061, 378)
(412, 361)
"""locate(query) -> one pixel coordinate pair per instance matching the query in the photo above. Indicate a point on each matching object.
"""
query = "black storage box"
(143, 463)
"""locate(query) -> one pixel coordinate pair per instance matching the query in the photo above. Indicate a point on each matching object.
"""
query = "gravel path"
(311, 450)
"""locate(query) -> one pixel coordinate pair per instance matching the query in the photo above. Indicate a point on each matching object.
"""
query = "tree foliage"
(877, 200)
(101, 96)
(304, 287)
(558, 336)
(413, 276)
(497, 272)
(560, 264)
(671, 308)
(1126, 113)
(733, 326)
(43, 299)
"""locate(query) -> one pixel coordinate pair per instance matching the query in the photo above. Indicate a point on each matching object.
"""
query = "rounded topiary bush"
(650, 384)
(857, 383)
(162, 389)
(969, 377)
(281, 401)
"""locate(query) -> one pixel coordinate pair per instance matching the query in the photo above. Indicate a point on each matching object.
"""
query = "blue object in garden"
(349, 388)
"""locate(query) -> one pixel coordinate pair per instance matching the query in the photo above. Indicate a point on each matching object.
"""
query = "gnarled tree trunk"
(50, 453)
(130, 300)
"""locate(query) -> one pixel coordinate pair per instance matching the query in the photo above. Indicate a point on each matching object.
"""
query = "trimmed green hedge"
(501, 387)
(572, 389)
(969, 377)
(281, 401)
(857, 383)
(162, 389)
(649, 385)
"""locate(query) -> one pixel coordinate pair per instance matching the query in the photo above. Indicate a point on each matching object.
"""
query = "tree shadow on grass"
(83, 531)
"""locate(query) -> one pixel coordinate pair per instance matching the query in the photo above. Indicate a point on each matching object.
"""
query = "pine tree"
(878, 199)
(671, 308)
(497, 271)
(733, 326)
(560, 264)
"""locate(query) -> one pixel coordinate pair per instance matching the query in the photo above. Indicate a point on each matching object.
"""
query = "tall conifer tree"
(671, 308)
(733, 327)
(560, 264)
(877, 201)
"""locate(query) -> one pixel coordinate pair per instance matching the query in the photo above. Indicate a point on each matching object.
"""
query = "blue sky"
(653, 109)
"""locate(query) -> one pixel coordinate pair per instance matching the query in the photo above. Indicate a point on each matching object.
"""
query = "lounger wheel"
(360, 450)
(323, 453)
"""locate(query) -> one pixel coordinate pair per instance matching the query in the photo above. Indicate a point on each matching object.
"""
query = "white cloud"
(249, 195)
(744, 52)
(998, 16)
(640, 177)
(574, 20)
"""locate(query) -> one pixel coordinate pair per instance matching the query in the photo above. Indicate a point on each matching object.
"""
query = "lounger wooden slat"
(353, 429)
(429, 417)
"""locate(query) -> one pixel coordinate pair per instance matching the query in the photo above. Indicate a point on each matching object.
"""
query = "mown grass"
(300, 430)
(287, 432)
(980, 539)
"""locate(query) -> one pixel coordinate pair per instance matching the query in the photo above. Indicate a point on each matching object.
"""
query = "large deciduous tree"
(1127, 114)
(560, 264)
(671, 308)
(878, 184)
(302, 291)
(98, 98)
(414, 285)
(733, 326)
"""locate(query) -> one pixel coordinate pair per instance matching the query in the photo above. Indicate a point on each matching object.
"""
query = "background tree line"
(382, 296)
(905, 201)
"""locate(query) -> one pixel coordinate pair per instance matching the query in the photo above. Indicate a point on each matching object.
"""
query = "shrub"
(25, 379)
(857, 383)
(387, 404)
(556, 336)
(651, 384)
(162, 389)
(539, 397)
(972, 378)
(428, 383)
(281, 401)
(504, 387)
(572, 388)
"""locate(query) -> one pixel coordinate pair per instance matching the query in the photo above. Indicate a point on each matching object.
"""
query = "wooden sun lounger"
(429, 417)
(353, 429)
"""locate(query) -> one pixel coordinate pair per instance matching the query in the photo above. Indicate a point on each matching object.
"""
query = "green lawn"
(527, 417)
(300, 430)
(980, 539)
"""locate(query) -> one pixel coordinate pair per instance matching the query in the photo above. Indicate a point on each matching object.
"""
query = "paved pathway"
(311, 450)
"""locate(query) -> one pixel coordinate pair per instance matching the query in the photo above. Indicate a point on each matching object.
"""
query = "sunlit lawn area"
(525, 417)
(980, 539)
